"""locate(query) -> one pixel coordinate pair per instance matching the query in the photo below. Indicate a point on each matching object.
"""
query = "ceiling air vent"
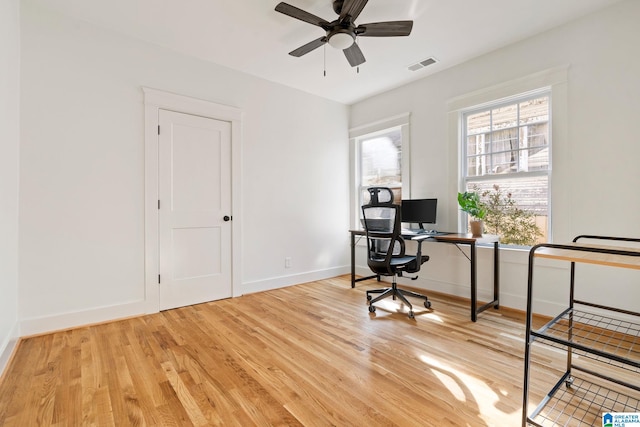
(422, 64)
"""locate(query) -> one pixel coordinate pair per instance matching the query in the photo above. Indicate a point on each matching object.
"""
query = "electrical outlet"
(287, 262)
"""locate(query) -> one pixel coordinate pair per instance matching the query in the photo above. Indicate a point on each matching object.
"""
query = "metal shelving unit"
(602, 343)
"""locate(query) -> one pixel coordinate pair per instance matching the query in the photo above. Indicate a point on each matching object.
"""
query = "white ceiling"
(249, 36)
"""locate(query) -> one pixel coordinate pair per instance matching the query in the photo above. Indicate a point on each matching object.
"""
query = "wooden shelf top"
(629, 260)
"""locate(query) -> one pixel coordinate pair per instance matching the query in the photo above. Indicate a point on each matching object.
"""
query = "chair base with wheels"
(396, 293)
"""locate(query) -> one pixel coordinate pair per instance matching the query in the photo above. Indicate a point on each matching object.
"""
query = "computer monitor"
(419, 211)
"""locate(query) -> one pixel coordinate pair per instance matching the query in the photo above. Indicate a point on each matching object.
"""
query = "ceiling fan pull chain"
(324, 65)
(358, 67)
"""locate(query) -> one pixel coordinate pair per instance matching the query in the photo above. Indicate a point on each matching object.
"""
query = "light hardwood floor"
(307, 355)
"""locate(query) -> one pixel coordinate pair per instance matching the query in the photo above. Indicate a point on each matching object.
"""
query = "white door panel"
(196, 252)
(195, 196)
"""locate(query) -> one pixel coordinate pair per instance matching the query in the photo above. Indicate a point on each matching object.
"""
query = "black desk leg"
(496, 282)
(496, 275)
(353, 260)
(353, 264)
(474, 289)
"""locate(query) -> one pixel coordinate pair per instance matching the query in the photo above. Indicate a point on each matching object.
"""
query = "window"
(506, 158)
(380, 153)
(381, 162)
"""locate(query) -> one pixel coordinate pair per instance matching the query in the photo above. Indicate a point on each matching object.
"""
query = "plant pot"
(476, 228)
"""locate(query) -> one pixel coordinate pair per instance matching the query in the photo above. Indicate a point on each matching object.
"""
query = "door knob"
(226, 218)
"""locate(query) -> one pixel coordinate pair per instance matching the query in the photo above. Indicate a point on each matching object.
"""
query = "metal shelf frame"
(609, 345)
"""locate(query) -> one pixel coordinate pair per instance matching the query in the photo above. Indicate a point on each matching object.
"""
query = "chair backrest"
(381, 222)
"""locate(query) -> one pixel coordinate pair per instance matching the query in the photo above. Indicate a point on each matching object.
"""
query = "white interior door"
(194, 209)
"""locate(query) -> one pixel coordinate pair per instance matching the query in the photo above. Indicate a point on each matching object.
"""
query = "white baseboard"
(40, 325)
(8, 347)
(294, 279)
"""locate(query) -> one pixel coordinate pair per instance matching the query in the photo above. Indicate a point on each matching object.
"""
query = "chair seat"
(396, 261)
(402, 260)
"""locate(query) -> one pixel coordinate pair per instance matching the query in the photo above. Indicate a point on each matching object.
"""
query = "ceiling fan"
(342, 32)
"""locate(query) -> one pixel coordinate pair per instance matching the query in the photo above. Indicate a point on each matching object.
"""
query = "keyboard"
(419, 231)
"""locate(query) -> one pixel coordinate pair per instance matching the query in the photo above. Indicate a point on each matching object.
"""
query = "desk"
(456, 239)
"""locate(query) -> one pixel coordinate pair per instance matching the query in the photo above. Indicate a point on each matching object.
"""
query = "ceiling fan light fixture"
(341, 40)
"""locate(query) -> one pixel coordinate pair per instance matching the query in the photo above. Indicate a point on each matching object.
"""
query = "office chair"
(386, 248)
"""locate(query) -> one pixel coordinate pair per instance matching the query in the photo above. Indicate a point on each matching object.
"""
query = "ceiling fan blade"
(303, 50)
(385, 29)
(302, 15)
(354, 55)
(352, 8)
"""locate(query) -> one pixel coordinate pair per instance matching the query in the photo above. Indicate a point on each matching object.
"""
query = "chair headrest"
(380, 195)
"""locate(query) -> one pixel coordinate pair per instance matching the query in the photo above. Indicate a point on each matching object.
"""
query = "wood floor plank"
(305, 355)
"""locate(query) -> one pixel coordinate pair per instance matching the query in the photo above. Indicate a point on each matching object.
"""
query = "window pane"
(534, 110)
(504, 162)
(534, 135)
(530, 193)
(478, 144)
(505, 140)
(479, 123)
(478, 165)
(505, 117)
(534, 160)
(381, 160)
(508, 194)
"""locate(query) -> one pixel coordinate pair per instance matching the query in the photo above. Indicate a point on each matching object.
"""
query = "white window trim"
(553, 78)
(402, 121)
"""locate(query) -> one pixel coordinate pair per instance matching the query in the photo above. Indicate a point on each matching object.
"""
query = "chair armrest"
(419, 239)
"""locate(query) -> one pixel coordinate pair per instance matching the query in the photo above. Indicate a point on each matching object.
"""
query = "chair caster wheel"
(427, 304)
(411, 315)
(372, 309)
(368, 297)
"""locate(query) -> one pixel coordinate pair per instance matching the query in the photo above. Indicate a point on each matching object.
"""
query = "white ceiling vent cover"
(424, 63)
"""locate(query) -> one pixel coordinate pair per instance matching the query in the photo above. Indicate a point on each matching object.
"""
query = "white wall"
(9, 147)
(82, 171)
(596, 148)
(81, 255)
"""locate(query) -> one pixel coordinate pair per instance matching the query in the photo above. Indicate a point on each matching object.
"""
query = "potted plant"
(470, 203)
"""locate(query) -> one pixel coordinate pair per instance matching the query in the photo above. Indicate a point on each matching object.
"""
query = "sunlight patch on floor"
(451, 385)
(472, 391)
(432, 316)
(391, 306)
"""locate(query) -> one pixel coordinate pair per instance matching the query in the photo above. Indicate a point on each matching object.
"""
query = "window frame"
(554, 80)
(360, 133)
(496, 177)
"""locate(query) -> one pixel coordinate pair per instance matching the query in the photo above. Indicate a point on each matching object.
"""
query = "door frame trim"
(154, 101)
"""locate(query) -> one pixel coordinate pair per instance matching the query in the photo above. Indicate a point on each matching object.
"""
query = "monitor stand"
(419, 230)
(422, 230)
